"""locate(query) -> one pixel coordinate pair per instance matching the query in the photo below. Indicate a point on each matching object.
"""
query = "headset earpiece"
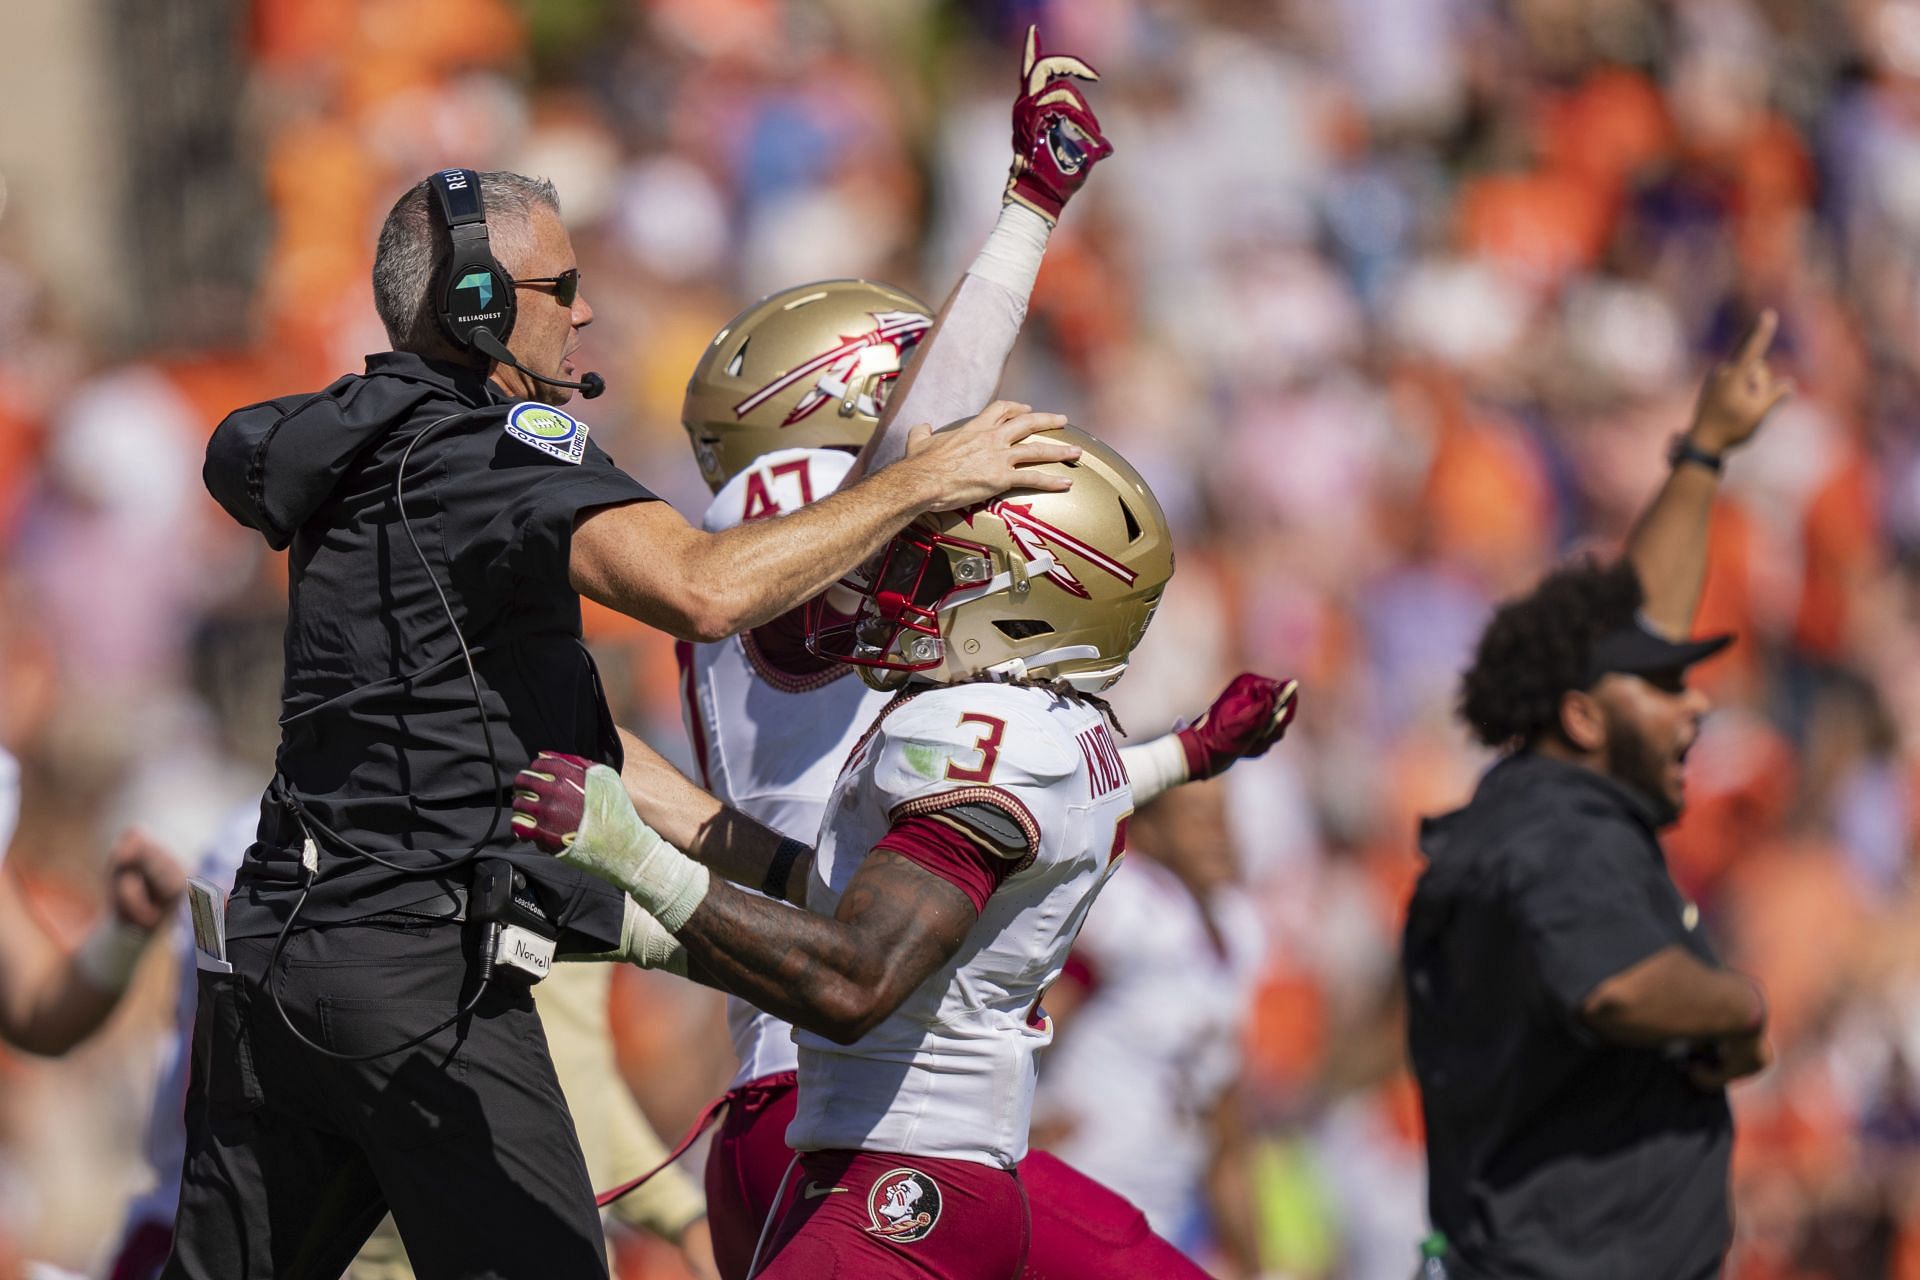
(471, 292)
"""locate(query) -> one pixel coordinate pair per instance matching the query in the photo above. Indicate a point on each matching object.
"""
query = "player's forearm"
(957, 369)
(697, 823)
(1668, 547)
(1154, 767)
(1672, 996)
(817, 972)
(958, 365)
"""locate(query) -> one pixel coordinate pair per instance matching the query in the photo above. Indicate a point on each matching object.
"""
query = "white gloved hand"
(579, 810)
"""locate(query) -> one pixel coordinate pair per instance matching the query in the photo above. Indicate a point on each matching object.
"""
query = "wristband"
(1685, 450)
(615, 844)
(780, 870)
(646, 942)
(107, 957)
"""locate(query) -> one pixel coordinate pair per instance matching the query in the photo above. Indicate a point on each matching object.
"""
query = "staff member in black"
(441, 514)
(1571, 1030)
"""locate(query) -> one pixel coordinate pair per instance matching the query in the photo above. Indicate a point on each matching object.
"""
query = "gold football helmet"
(805, 368)
(1029, 586)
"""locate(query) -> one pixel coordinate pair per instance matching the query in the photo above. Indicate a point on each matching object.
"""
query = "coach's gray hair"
(412, 240)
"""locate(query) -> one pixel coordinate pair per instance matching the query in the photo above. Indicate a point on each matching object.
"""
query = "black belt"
(282, 867)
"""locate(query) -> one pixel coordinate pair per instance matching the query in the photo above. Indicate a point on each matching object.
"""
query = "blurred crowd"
(1395, 302)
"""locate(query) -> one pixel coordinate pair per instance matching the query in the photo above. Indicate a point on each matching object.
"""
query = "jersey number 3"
(988, 746)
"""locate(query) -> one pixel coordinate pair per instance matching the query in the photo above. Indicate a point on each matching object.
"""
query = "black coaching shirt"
(1550, 1153)
(382, 740)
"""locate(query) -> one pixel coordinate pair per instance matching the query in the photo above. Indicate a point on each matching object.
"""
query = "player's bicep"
(909, 920)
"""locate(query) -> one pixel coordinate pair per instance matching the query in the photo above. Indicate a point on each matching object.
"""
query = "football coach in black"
(1571, 1030)
(375, 1045)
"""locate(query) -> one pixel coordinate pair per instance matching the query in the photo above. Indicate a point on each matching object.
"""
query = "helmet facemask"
(1035, 585)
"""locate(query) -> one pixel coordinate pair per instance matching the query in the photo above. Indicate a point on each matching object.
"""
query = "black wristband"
(1685, 450)
(781, 868)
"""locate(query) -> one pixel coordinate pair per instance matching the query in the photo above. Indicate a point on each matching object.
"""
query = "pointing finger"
(1759, 338)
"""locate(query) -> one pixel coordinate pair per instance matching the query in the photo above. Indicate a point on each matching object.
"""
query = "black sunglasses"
(566, 285)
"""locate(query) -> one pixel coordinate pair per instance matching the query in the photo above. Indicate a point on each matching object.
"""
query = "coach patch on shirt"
(552, 432)
(904, 1206)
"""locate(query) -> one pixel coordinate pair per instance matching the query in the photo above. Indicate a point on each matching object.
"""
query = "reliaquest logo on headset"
(556, 434)
(479, 283)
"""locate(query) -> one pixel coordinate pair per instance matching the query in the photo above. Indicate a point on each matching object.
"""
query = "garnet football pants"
(865, 1215)
(1081, 1229)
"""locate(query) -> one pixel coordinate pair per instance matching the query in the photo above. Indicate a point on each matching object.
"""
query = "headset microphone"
(589, 386)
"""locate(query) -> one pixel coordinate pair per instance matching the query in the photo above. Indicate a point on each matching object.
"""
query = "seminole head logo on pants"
(904, 1206)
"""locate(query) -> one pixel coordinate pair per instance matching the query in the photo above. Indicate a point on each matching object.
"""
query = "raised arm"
(647, 562)
(51, 1000)
(839, 976)
(1668, 545)
(1056, 143)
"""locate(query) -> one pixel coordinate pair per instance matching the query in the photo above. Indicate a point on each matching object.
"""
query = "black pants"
(292, 1157)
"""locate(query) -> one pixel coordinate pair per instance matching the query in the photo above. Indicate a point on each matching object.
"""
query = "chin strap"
(1017, 669)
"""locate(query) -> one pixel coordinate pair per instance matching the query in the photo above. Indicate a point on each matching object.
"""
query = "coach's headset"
(473, 300)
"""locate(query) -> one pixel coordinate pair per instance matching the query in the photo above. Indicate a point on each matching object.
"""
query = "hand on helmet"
(987, 455)
(579, 811)
(1056, 139)
(1250, 715)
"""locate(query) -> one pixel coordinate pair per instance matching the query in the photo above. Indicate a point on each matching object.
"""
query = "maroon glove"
(1056, 140)
(1250, 715)
(549, 800)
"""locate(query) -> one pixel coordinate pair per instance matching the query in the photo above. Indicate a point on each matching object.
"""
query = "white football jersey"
(1145, 1059)
(951, 1073)
(766, 743)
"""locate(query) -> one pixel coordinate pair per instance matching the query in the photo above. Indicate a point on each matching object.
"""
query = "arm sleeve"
(1585, 911)
(1155, 767)
(961, 361)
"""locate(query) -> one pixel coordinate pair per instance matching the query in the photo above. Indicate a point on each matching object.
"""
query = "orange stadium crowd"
(1395, 303)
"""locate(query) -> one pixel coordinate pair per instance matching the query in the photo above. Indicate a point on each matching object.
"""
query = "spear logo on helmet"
(838, 367)
(1036, 538)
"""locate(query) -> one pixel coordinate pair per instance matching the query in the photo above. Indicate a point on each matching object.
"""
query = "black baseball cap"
(1637, 650)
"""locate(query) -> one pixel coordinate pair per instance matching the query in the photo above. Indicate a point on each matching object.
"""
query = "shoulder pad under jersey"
(984, 757)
